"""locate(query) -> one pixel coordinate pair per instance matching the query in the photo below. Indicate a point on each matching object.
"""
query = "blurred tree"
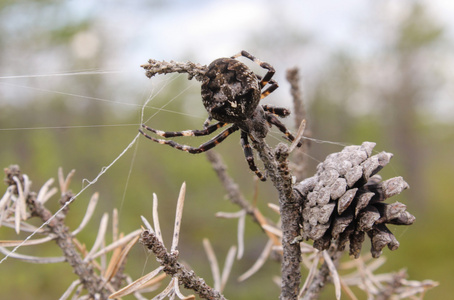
(412, 86)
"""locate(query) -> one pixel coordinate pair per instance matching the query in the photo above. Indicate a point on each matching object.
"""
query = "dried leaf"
(227, 267)
(44, 194)
(118, 257)
(33, 259)
(178, 215)
(119, 243)
(312, 272)
(20, 211)
(6, 198)
(100, 237)
(88, 214)
(137, 284)
(259, 262)
(115, 223)
(157, 226)
(14, 243)
(334, 275)
(240, 237)
(176, 287)
(213, 264)
(64, 182)
(271, 229)
(298, 137)
(70, 289)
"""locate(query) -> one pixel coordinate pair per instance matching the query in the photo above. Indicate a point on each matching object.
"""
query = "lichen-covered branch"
(175, 269)
(276, 165)
(93, 283)
(193, 70)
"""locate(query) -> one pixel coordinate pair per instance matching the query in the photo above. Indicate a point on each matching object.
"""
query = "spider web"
(87, 183)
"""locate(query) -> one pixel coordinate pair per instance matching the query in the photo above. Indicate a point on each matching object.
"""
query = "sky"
(205, 30)
(289, 33)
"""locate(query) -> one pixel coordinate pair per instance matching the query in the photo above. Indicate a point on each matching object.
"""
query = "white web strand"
(90, 183)
(72, 73)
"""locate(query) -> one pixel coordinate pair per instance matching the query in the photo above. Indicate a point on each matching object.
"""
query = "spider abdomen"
(230, 90)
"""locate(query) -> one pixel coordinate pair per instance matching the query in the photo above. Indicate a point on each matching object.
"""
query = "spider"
(231, 93)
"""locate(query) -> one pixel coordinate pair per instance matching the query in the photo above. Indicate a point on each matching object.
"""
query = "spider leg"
(202, 148)
(273, 86)
(262, 64)
(279, 111)
(206, 131)
(249, 156)
(270, 89)
(207, 121)
(273, 120)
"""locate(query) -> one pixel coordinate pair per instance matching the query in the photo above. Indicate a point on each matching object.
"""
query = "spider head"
(230, 91)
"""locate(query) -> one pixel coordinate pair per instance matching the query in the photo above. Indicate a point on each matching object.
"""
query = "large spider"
(231, 93)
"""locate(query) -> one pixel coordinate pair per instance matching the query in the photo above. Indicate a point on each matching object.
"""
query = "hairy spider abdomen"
(230, 91)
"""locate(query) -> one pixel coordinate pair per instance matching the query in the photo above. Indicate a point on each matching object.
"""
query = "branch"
(175, 269)
(276, 165)
(64, 239)
(162, 67)
(299, 113)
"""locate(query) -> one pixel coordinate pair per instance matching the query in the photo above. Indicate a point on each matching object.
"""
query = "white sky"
(204, 30)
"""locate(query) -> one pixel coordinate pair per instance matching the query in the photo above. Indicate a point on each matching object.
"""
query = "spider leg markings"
(262, 64)
(272, 119)
(270, 89)
(279, 111)
(249, 156)
(273, 86)
(202, 148)
(207, 122)
(206, 131)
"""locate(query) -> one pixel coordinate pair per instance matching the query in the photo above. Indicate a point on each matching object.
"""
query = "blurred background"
(72, 90)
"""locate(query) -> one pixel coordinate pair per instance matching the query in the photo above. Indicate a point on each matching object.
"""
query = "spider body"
(231, 94)
(230, 91)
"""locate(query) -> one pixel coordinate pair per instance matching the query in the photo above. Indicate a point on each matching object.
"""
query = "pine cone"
(345, 200)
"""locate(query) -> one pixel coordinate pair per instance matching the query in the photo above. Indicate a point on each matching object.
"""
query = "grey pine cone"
(345, 200)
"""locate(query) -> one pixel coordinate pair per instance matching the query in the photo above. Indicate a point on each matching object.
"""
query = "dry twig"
(31, 205)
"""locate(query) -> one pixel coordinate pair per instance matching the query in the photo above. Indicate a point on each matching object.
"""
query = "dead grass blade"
(137, 284)
(178, 215)
(88, 214)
